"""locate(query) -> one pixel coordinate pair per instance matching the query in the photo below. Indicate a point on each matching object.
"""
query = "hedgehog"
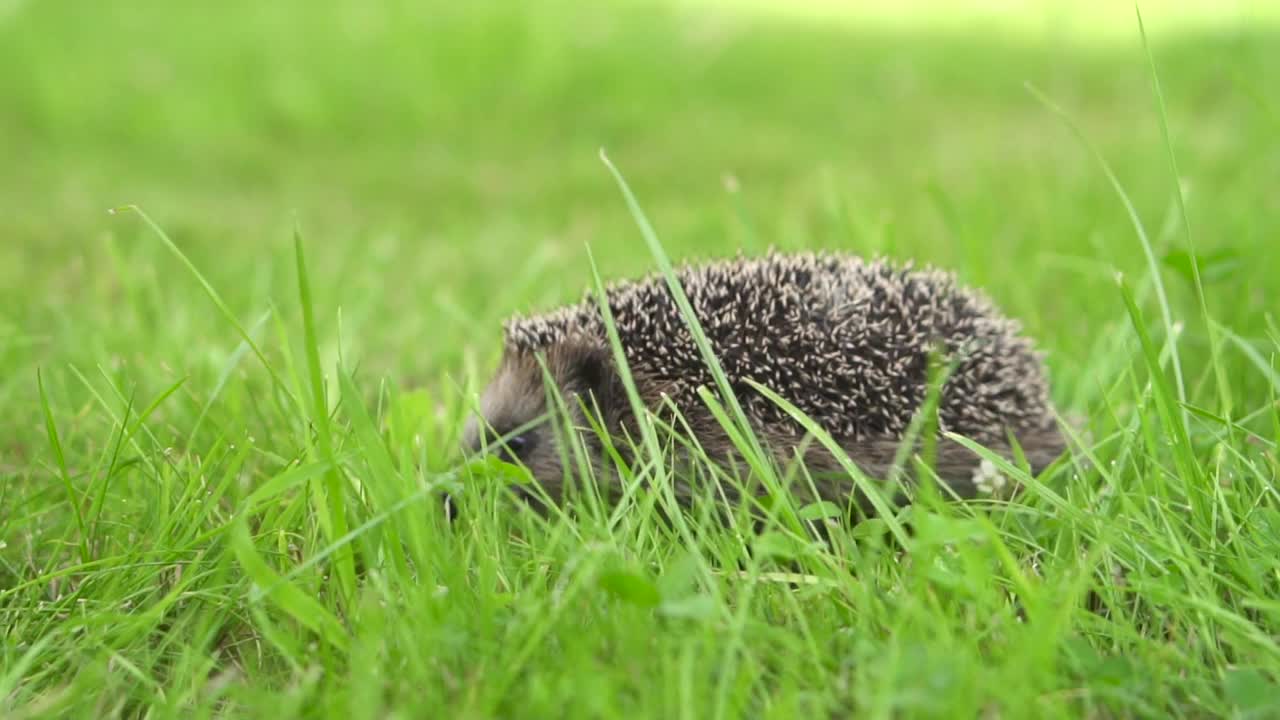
(846, 340)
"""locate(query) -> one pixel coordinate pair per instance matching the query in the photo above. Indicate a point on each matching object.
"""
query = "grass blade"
(51, 429)
(1166, 404)
(304, 609)
(334, 486)
(211, 292)
(1215, 352)
(860, 479)
(1153, 265)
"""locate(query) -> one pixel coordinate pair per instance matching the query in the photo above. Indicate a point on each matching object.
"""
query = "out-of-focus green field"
(441, 162)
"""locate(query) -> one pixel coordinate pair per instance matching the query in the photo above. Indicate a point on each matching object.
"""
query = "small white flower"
(988, 479)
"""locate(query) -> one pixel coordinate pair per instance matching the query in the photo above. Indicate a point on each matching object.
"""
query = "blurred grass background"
(441, 160)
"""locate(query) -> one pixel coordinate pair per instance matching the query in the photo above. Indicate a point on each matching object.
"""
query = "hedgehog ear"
(593, 372)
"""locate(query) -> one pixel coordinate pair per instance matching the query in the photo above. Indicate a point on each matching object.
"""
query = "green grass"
(222, 453)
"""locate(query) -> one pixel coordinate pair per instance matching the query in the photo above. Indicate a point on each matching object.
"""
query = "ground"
(364, 191)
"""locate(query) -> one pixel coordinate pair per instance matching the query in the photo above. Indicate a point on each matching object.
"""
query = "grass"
(224, 449)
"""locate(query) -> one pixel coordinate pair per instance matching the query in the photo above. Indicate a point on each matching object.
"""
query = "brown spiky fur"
(845, 340)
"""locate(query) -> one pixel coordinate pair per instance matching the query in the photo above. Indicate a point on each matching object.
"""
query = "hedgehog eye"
(517, 445)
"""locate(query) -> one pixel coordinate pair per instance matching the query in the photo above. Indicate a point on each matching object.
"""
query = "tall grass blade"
(1153, 265)
(55, 444)
(1215, 351)
(334, 486)
(300, 606)
(211, 292)
(1168, 406)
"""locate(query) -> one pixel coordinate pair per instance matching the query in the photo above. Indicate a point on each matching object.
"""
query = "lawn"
(230, 407)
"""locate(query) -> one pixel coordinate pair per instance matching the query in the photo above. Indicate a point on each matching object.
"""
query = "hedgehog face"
(515, 421)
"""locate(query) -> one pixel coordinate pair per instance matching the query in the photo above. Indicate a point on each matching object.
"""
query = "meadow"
(254, 260)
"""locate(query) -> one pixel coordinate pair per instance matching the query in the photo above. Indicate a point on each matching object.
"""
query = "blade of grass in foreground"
(1167, 405)
(1254, 356)
(228, 369)
(11, 680)
(687, 312)
(1215, 349)
(55, 443)
(754, 454)
(884, 512)
(746, 441)
(381, 481)
(211, 292)
(333, 487)
(1153, 266)
(648, 432)
(303, 608)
